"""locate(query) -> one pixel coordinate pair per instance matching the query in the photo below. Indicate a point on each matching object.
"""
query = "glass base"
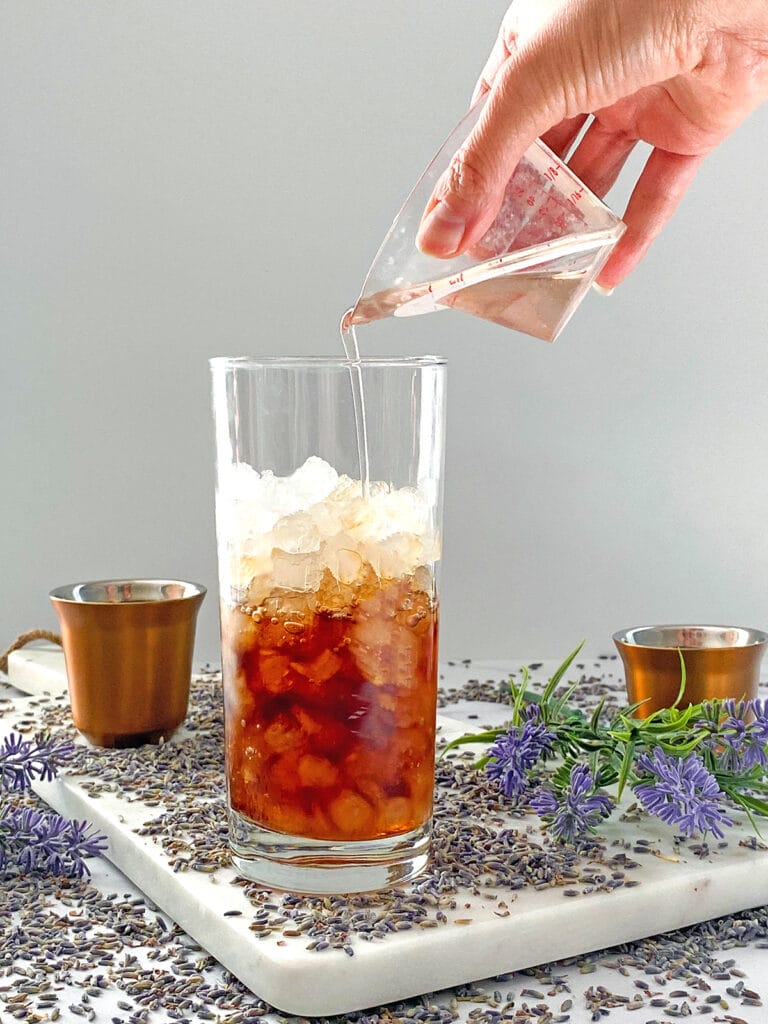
(325, 866)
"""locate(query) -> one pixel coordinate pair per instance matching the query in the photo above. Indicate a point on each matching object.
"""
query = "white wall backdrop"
(187, 179)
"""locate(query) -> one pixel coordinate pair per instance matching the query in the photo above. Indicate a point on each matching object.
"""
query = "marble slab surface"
(677, 888)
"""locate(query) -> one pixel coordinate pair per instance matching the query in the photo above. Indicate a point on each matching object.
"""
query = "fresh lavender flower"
(579, 809)
(740, 740)
(514, 753)
(33, 840)
(681, 792)
(22, 760)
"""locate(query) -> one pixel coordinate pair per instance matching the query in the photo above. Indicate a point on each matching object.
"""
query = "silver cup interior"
(691, 637)
(127, 591)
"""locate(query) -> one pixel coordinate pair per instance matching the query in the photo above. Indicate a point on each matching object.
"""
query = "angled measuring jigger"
(530, 270)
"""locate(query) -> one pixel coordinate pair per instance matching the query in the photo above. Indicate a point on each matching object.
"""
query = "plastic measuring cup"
(529, 271)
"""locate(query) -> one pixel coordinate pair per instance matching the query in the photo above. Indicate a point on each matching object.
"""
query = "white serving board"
(543, 925)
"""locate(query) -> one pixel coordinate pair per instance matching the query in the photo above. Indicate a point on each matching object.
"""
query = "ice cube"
(423, 581)
(296, 533)
(243, 566)
(300, 572)
(343, 560)
(321, 668)
(283, 774)
(266, 523)
(275, 672)
(317, 771)
(397, 555)
(258, 590)
(396, 815)
(283, 734)
(352, 815)
(312, 482)
(385, 651)
(239, 702)
(324, 733)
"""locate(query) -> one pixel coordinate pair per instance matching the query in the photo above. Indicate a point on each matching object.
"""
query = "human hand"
(677, 74)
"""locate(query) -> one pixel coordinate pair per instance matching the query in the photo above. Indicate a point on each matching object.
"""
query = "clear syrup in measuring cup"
(529, 271)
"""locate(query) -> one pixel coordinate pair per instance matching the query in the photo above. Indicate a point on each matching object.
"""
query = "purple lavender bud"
(516, 752)
(579, 810)
(681, 792)
(23, 760)
(32, 840)
(44, 841)
(736, 732)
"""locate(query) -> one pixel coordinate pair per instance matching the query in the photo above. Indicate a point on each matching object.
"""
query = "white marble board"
(677, 889)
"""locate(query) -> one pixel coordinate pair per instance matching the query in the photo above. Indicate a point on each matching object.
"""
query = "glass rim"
(319, 362)
(150, 588)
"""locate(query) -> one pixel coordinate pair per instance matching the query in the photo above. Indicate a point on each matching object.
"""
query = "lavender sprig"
(33, 840)
(23, 760)
(516, 752)
(737, 734)
(686, 764)
(577, 810)
(681, 792)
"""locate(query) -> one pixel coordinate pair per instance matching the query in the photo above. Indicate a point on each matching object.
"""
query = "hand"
(678, 74)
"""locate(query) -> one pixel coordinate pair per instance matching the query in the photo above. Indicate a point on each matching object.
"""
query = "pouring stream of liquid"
(352, 354)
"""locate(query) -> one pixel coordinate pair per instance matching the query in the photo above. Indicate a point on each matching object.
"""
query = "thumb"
(583, 55)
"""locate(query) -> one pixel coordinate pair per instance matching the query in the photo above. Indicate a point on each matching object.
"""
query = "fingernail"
(601, 289)
(441, 232)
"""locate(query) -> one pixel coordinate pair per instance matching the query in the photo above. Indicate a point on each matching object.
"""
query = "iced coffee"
(329, 641)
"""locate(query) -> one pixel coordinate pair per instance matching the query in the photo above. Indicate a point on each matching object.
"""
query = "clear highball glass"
(328, 519)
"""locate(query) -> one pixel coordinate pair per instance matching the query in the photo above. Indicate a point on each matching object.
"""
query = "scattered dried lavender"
(66, 931)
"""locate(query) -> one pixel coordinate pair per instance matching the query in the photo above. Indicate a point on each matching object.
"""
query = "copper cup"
(720, 662)
(128, 648)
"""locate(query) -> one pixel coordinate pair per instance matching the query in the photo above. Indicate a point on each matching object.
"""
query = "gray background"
(181, 180)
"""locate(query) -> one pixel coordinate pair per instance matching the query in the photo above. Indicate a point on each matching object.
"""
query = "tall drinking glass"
(328, 516)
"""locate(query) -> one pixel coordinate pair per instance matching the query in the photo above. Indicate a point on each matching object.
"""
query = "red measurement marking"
(551, 172)
(456, 280)
(576, 196)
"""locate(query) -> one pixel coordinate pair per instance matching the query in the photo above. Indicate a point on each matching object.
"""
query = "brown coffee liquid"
(331, 705)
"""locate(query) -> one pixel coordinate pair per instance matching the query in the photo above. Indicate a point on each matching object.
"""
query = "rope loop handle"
(23, 640)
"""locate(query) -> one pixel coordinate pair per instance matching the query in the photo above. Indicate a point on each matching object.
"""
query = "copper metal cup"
(128, 648)
(720, 662)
